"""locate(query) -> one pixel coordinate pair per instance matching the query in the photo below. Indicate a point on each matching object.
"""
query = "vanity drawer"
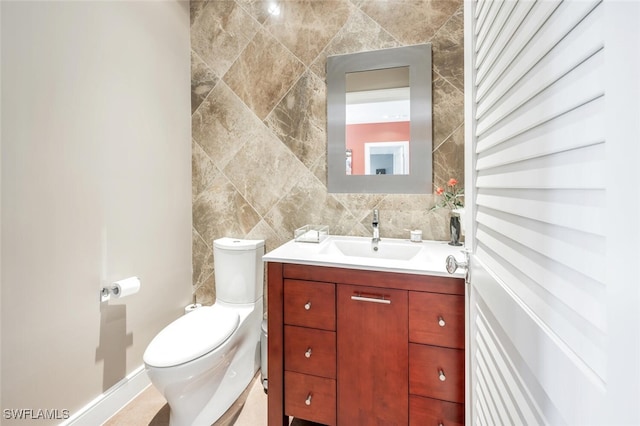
(310, 351)
(436, 319)
(436, 372)
(310, 397)
(433, 412)
(310, 304)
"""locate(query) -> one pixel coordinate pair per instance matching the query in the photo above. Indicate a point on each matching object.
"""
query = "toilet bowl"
(204, 360)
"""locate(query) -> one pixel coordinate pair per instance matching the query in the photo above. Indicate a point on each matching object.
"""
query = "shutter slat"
(581, 85)
(489, 26)
(498, 413)
(513, 17)
(574, 169)
(517, 45)
(515, 390)
(526, 336)
(571, 51)
(511, 389)
(580, 127)
(572, 273)
(502, 40)
(576, 331)
(493, 386)
(481, 13)
(486, 411)
(578, 210)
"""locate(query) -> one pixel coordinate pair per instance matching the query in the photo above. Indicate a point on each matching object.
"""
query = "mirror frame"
(419, 181)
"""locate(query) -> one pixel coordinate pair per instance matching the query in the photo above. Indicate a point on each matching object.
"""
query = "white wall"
(96, 186)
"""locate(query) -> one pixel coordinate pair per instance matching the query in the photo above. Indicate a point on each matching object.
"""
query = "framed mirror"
(379, 121)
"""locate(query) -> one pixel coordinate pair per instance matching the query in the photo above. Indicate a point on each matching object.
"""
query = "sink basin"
(393, 255)
(387, 249)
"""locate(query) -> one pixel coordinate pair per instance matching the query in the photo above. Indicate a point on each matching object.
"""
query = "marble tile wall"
(259, 117)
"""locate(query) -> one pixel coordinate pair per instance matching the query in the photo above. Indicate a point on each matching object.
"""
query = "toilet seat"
(191, 336)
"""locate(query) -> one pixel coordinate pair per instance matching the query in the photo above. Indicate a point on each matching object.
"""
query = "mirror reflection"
(378, 122)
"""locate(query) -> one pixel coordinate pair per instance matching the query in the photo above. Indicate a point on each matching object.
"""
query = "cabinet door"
(436, 319)
(433, 412)
(372, 364)
(309, 304)
(436, 372)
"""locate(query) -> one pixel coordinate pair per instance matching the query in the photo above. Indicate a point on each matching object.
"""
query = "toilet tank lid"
(191, 336)
(237, 243)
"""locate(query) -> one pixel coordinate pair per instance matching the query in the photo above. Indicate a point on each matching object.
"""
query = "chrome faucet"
(376, 231)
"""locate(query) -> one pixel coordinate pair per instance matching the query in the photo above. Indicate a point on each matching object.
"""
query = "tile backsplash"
(259, 117)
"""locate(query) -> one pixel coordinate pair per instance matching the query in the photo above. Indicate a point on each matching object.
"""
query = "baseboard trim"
(110, 402)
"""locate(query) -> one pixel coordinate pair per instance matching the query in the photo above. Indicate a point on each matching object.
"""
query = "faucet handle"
(375, 216)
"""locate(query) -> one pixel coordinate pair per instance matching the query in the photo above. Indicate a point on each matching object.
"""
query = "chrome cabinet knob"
(307, 354)
(308, 400)
(441, 322)
(441, 376)
(307, 306)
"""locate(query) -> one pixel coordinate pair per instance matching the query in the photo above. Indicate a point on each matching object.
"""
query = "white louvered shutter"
(548, 331)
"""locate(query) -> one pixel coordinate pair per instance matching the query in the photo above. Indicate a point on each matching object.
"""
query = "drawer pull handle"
(308, 400)
(371, 299)
(307, 306)
(441, 376)
(307, 354)
(441, 322)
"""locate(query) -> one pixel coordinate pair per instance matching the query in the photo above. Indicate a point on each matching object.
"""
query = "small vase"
(460, 213)
(454, 227)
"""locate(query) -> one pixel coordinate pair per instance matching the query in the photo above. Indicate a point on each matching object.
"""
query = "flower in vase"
(451, 197)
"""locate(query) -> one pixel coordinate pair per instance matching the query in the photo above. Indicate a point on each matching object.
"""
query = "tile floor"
(151, 409)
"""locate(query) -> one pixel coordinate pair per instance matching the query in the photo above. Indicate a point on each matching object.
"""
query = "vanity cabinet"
(354, 347)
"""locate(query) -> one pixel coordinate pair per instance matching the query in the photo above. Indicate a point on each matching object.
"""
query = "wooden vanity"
(358, 347)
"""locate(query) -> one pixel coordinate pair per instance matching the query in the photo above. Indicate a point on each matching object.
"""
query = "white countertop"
(430, 257)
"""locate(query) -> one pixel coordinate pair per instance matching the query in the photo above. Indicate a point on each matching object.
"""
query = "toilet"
(204, 360)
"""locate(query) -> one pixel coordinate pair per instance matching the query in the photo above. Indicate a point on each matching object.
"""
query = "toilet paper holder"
(105, 294)
(120, 288)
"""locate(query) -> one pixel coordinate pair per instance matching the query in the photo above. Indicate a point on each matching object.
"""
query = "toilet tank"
(239, 270)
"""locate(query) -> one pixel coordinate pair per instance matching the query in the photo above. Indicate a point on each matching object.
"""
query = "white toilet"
(205, 359)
